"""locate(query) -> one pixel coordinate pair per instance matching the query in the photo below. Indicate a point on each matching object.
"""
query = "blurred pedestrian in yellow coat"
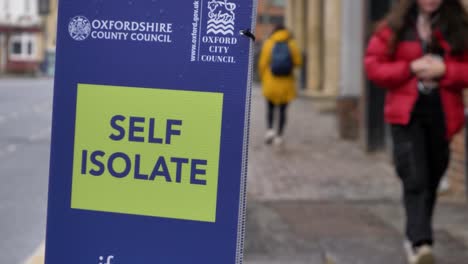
(278, 58)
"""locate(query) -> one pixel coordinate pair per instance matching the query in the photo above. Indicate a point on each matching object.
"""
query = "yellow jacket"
(278, 89)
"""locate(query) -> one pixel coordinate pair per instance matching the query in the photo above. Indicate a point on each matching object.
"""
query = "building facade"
(20, 38)
(269, 14)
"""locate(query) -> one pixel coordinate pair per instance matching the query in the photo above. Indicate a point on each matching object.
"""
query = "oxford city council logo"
(221, 17)
(79, 28)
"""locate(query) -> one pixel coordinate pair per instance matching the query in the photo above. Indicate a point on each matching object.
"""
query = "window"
(44, 7)
(272, 20)
(278, 2)
(27, 6)
(6, 9)
(30, 48)
(6, 6)
(16, 48)
(23, 47)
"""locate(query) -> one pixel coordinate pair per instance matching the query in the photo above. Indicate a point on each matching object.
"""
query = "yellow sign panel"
(144, 151)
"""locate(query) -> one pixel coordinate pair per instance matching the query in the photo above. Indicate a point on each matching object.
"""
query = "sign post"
(150, 132)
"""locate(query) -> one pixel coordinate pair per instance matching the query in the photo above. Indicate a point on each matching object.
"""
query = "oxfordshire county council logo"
(79, 28)
(221, 17)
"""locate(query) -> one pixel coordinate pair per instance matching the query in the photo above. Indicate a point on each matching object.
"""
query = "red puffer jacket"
(392, 72)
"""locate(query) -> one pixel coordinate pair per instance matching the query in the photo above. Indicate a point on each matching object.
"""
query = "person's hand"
(419, 66)
(435, 70)
(428, 68)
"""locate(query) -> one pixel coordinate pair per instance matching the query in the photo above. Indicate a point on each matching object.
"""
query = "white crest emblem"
(79, 28)
(221, 17)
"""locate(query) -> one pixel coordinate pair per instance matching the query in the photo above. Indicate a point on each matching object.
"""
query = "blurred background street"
(329, 194)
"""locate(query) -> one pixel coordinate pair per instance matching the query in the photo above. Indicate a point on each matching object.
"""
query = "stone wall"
(316, 25)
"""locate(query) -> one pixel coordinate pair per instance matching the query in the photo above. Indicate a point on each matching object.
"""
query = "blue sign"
(150, 132)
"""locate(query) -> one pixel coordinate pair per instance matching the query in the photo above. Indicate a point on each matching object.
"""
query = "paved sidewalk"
(313, 164)
(319, 197)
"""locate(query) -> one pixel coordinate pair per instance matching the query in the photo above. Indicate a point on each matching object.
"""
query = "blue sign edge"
(245, 151)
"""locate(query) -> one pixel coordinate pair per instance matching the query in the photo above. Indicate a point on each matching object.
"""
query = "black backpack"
(281, 59)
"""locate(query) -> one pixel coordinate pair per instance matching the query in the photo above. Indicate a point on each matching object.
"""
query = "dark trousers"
(421, 155)
(271, 109)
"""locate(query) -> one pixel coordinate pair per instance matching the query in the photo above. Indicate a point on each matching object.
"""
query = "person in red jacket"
(419, 55)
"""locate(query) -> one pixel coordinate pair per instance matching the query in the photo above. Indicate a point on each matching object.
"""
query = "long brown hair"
(452, 19)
